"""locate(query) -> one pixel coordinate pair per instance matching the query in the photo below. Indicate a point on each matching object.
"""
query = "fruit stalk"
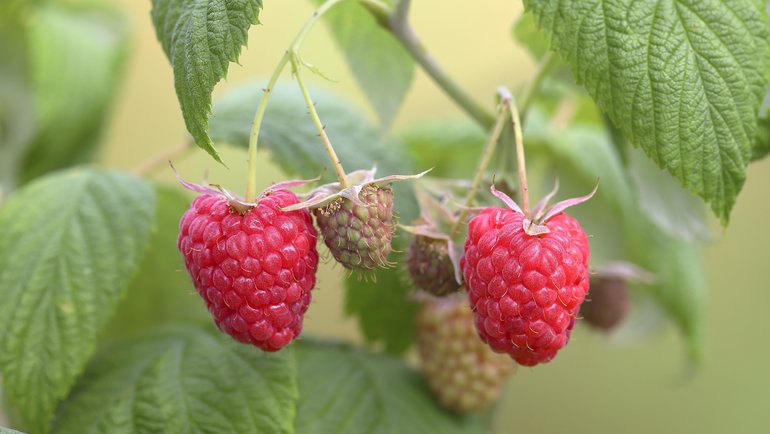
(336, 163)
(291, 53)
(489, 150)
(516, 119)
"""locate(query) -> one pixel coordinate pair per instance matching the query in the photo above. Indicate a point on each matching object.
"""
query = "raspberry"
(607, 304)
(359, 234)
(462, 372)
(525, 289)
(430, 266)
(254, 270)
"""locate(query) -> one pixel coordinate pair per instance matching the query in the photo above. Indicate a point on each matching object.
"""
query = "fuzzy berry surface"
(255, 271)
(430, 267)
(462, 372)
(525, 290)
(359, 235)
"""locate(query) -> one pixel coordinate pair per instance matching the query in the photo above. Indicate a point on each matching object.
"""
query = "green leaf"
(69, 245)
(762, 145)
(383, 68)
(346, 390)
(17, 112)
(526, 32)
(183, 380)
(682, 79)
(76, 58)
(680, 287)
(4, 430)
(673, 209)
(161, 291)
(292, 139)
(382, 307)
(201, 38)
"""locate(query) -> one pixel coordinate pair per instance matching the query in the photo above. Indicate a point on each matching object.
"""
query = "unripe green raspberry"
(359, 234)
(430, 266)
(462, 372)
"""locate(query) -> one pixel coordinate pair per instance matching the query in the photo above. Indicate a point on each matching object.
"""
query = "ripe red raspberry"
(462, 372)
(525, 289)
(430, 266)
(254, 270)
(359, 234)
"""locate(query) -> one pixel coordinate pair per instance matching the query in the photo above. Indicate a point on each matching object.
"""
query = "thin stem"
(336, 163)
(489, 150)
(160, 159)
(544, 68)
(397, 24)
(251, 188)
(516, 119)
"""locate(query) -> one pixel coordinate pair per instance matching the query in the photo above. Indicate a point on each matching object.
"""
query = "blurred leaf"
(201, 38)
(76, 57)
(383, 68)
(382, 307)
(289, 134)
(346, 390)
(587, 149)
(4, 430)
(680, 286)
(762, 145)
(451, 146)
(662, 199)
(183, 380)
(640, 62)
(17, 113)
(161, 291)
(526, 31)
(70, 243)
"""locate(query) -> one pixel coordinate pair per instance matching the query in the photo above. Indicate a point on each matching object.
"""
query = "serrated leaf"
(762, 144)
(682, 79)
(69, 245)
(161, 291)
(382, 67)
(183, 380)
(201, 38)
(346, 390)
(290, 135)
(76, 58)
(662, 199)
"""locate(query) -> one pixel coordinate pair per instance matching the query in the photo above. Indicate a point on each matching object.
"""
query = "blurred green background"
(596, 385)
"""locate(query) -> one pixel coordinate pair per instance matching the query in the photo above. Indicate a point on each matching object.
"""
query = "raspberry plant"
(100, 332)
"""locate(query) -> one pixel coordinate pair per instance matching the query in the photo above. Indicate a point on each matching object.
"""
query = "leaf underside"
(682, 79)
